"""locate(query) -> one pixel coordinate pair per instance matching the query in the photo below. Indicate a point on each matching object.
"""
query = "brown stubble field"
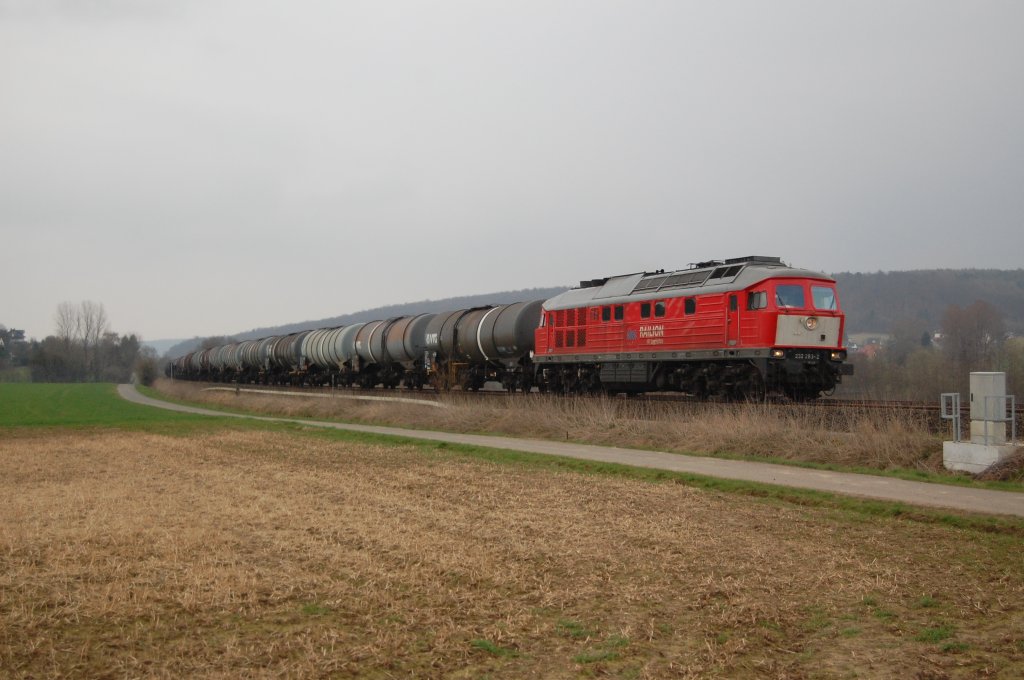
(258, 554)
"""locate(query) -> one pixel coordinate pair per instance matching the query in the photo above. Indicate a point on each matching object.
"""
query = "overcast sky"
(207, 167)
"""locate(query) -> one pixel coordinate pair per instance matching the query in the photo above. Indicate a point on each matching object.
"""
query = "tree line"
(917, 365)
(877, 302)
(83, 348)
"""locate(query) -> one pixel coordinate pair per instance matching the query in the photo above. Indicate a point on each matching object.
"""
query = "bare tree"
(973, 335)
(67, 322)
(94, 325)
(81, 329)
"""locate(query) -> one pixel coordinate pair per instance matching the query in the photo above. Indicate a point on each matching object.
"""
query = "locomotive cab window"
(645, 310)
(758, 300)
(606, 314)
(690, 306)
(789, 295)
(619, 312)
(824, 298)
(659, 309)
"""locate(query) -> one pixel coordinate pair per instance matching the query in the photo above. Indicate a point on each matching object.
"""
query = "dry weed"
(882, 439)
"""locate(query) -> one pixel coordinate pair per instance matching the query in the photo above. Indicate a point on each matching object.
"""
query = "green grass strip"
(25, 406)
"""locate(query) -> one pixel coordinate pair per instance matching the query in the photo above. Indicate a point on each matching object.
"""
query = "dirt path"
(866, 486)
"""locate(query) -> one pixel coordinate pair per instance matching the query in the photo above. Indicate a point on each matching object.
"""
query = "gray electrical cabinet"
(988, 407)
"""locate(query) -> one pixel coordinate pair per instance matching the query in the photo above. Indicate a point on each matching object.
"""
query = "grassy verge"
(893, 444)
(29, 406)
(97, 406)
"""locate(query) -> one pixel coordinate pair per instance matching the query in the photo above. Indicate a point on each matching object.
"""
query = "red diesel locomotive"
(735, 329)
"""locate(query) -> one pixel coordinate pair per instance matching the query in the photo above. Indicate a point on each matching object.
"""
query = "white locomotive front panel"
(807, 331)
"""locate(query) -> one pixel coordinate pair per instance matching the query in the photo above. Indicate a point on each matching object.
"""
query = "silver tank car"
(332, 347)
(249, 355)
(388, 351)
(344, 347)
(405, 339)
(278, 352)
(313, 349)
(370, 342)
(440, 333)
(263, 352)
(231, 356)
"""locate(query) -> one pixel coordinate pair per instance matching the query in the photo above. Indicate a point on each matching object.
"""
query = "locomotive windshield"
(789, 295)
(824, 297)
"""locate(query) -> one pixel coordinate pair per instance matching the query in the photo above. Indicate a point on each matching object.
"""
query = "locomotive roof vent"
(705, 265)
(759, 259)
(593, 283)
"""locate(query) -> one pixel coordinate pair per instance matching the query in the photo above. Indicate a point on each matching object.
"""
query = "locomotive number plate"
(805, 356)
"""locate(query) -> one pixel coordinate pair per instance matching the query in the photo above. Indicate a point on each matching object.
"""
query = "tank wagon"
(733, 329)
(469, 347)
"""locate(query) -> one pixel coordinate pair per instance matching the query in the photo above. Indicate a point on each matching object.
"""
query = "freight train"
(739, 328)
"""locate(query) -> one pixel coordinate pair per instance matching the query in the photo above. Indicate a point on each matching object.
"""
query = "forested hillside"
(882, 301)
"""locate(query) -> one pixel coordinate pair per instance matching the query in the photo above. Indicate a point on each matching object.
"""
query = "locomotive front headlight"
(838, 356)
(811, 322)
(778, 354)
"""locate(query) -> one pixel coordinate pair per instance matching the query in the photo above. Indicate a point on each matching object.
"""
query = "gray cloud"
(307, 159)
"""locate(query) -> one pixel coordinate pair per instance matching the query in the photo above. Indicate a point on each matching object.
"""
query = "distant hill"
(877, 302)
(162, 346)
(405, 309)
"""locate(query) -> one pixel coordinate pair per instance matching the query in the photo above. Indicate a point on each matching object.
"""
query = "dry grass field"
(272, 554)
